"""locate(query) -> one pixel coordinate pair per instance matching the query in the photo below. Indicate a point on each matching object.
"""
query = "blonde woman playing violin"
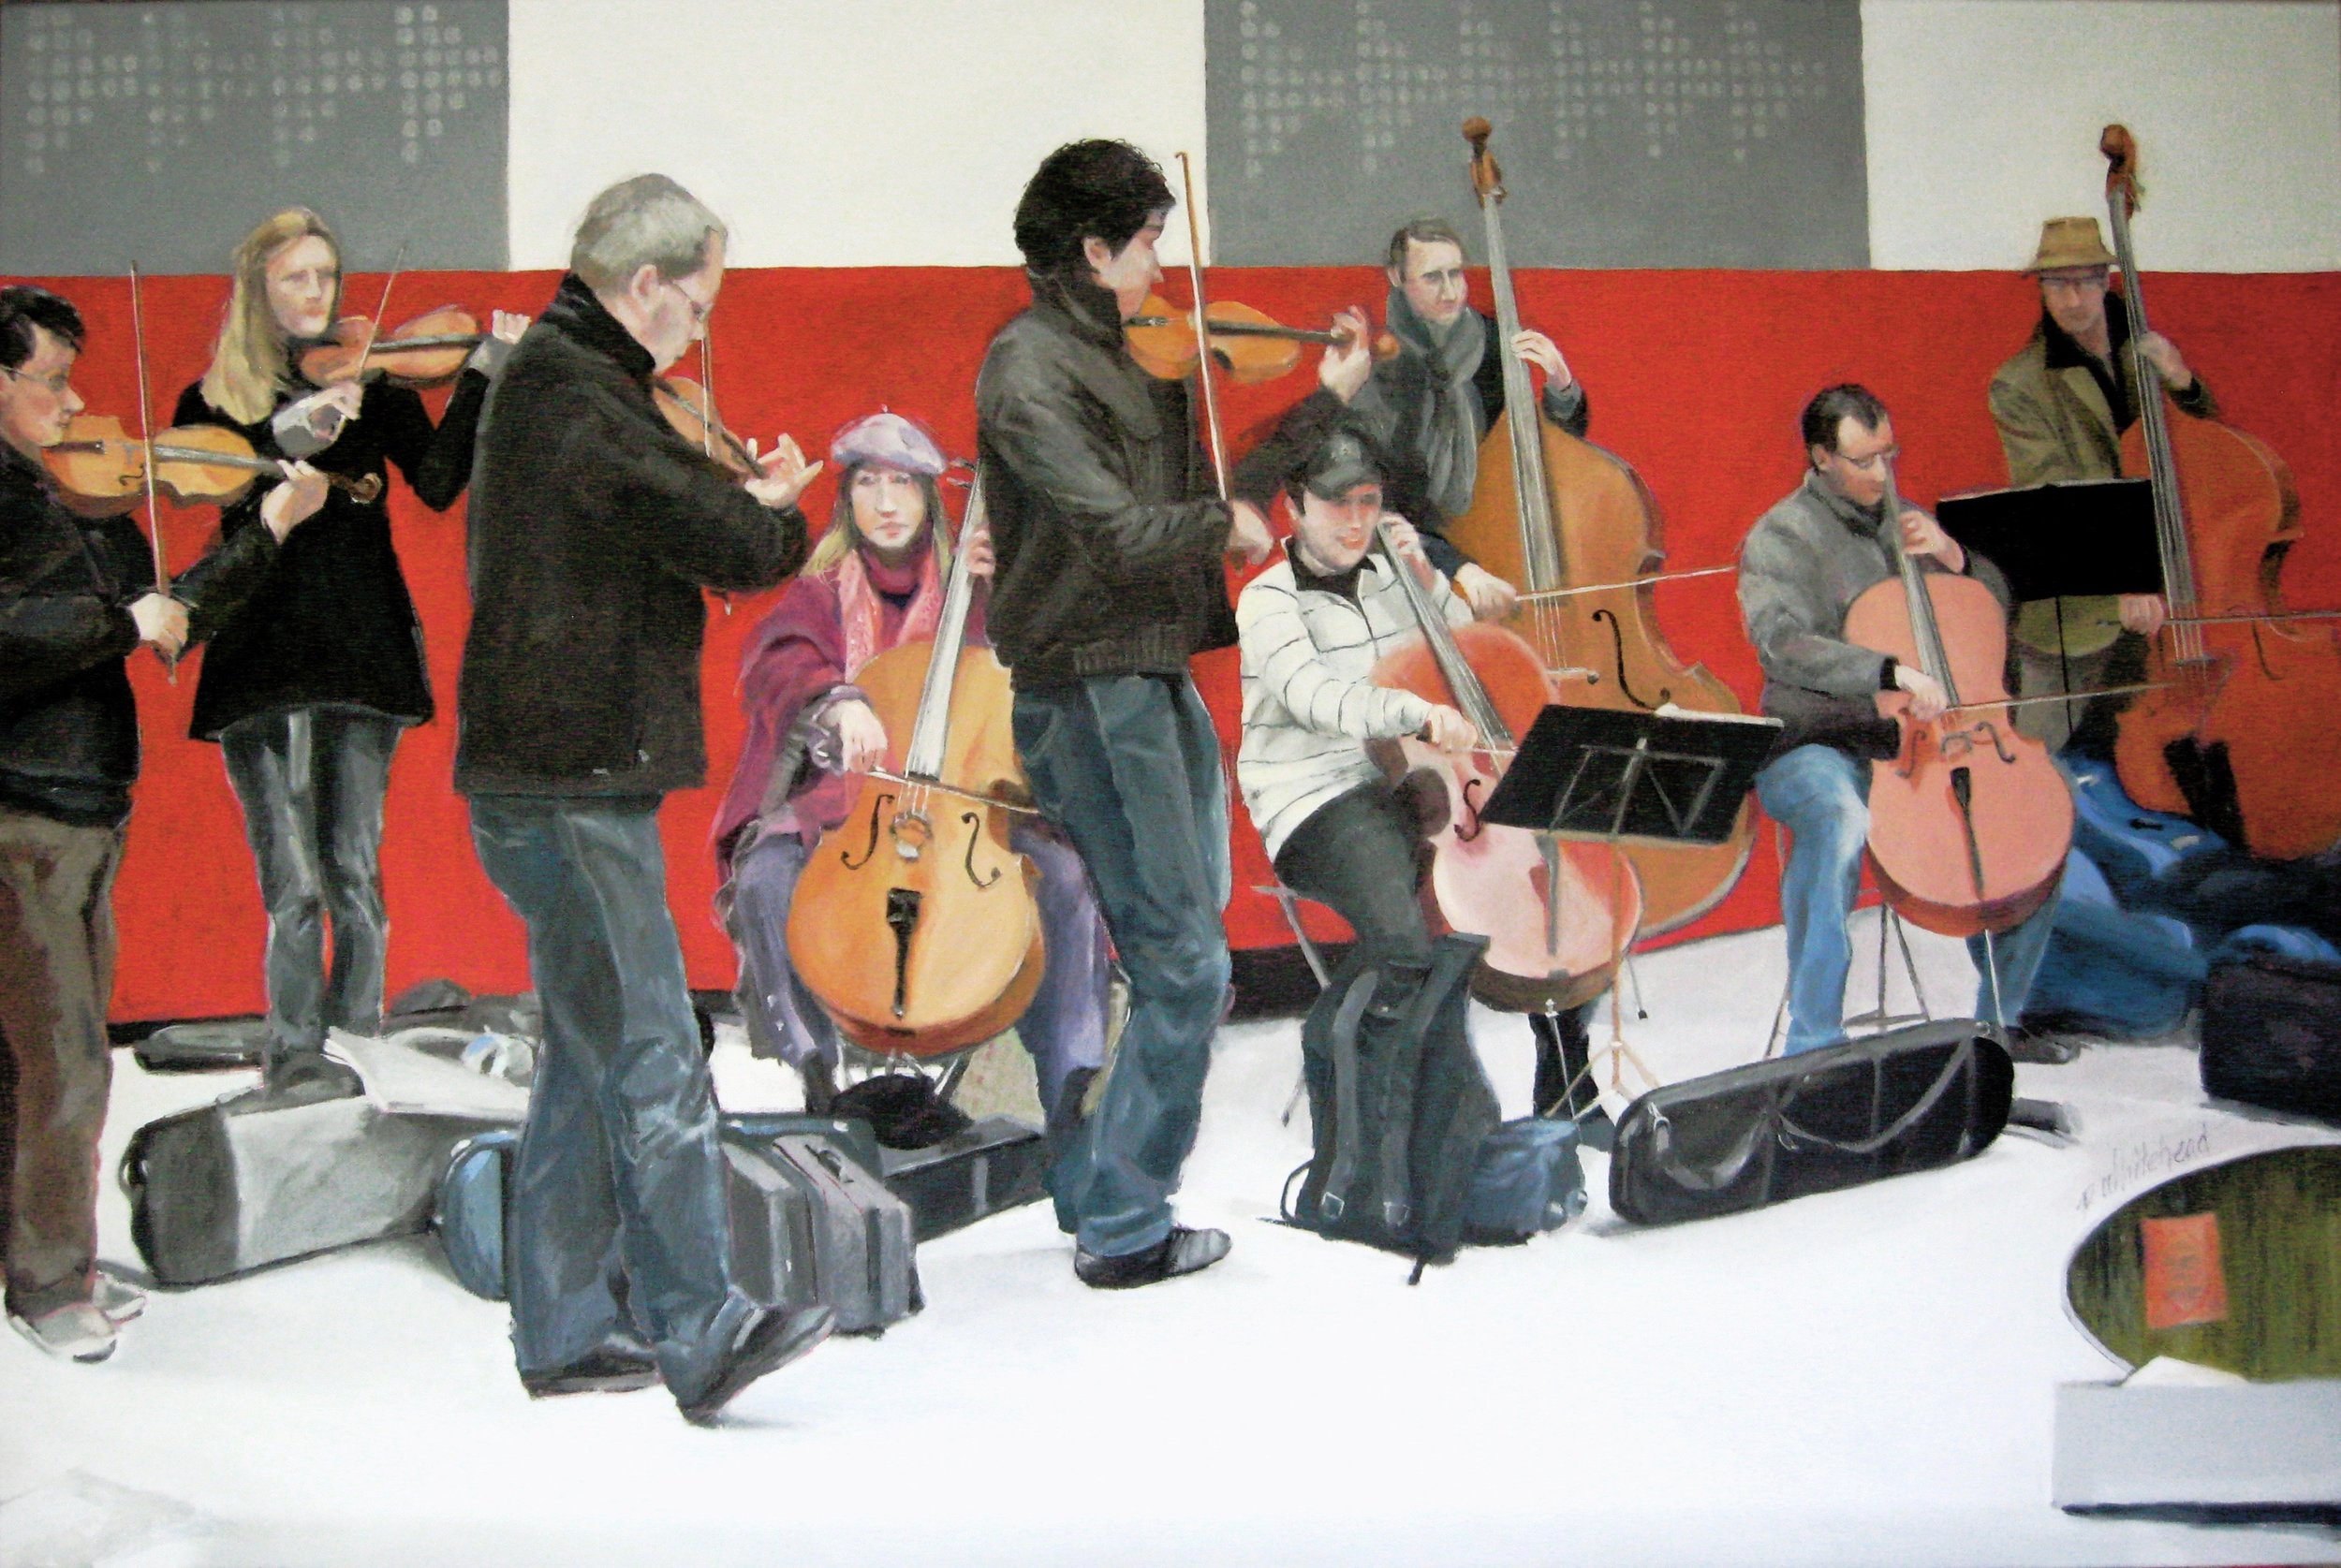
(308, 688)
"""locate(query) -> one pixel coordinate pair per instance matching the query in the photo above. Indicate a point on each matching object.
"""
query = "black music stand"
(1667, 777)
(2088, 538)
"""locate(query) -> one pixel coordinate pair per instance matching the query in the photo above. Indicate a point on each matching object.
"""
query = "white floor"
(1862, 1378)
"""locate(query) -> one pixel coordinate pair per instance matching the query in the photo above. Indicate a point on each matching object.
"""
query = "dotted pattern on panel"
(1647, 133)
(161, 132)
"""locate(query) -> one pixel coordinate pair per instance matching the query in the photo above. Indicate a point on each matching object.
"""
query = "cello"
(1970, 821)
(1551, 511)
(915, 923)
(2231, 734)
(1558, 914)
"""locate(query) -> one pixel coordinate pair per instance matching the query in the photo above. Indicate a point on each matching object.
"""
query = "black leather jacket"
(1103, 518)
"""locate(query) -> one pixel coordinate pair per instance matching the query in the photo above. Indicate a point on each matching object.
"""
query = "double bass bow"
(1551, 511)
(2237, 733)
(1560, 914)
(914, 923)
(1970, 821)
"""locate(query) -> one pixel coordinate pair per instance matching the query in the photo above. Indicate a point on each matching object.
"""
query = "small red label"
(2185, 1283)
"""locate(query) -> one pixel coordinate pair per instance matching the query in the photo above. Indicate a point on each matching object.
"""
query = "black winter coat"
(1107, 539)
(68, 724)
(593, 526)
(334, 624)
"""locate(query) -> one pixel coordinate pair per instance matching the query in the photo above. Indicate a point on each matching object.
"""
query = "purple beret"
(890, 441)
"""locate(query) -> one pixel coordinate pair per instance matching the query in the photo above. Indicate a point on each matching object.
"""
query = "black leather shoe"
(601, 1371)
(1182, 1251)
(767, 1340)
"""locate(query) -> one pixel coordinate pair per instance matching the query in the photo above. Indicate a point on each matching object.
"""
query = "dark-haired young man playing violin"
(1110, 543)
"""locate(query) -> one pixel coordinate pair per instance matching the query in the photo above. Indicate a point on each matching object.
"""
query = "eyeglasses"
(701, 309)
(58, 385)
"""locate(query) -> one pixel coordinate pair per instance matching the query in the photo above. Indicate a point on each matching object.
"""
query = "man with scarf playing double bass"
(1430, 404)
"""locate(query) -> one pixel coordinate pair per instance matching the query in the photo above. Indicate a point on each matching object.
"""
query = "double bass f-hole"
(1608, 617)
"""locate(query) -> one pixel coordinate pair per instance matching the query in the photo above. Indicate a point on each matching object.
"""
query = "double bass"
(914, 923)
(2236, 730)
(1558, 912)
(1970, 821)
(1553, 512)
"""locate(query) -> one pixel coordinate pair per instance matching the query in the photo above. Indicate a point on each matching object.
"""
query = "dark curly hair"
(1105, 189)
(1832, 406)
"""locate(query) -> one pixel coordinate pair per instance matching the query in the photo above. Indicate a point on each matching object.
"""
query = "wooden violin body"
(1552, 512)
(689, 413)
(428, 351)
(1558, 914)
(1971, 822)
(101, 472)
(1247, 345)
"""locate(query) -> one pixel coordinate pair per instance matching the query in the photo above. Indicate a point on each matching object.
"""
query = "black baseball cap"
(1341, 462)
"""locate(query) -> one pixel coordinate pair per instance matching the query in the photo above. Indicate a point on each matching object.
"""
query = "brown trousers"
(56, 977)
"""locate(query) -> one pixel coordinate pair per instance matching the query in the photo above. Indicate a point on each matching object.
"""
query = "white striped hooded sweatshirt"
(1308, 708)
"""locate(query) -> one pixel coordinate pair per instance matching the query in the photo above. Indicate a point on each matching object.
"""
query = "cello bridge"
(910, 832)
(1957, 743)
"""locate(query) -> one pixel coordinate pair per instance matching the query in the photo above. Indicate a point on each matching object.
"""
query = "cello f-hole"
(845, 858)
(973, 824)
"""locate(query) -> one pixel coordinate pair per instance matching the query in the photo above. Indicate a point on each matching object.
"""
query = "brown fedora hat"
(2070, 242)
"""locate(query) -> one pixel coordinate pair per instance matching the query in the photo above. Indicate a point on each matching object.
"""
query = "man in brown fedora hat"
(2061, 404)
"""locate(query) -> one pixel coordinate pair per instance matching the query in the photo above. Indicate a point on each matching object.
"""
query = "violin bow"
(146, 464)
(374, 327)
(1202, 332)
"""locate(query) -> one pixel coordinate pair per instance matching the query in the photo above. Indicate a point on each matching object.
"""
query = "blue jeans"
(1063, 1028)
(617, 1206)
(1821, 796)
(1128, 768)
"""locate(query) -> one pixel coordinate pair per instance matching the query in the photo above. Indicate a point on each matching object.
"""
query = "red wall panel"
(1695, 379)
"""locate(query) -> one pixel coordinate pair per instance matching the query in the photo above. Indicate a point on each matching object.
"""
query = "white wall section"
(868, 133)
(900, 132)
(1983, 120)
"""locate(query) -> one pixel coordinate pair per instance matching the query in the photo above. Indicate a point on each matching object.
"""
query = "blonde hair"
(249, 365)
(842, 535)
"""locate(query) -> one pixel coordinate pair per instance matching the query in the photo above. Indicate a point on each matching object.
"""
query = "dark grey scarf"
(1450, 423)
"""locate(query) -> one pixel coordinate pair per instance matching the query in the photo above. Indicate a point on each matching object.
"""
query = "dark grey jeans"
(56, 977)
(312, 781)
(1127, 767)
(617, 1204)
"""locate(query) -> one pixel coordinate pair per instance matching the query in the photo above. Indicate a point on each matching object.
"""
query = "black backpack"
(1399, 1106)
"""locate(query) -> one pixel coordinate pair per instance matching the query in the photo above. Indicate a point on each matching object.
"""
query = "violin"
(1558, 912)
(2237, 732)
(1248, 344)
(915, 924)
(689, 412)
(99, 471)
(1970, 821)
(429, 351)
(1551, 512)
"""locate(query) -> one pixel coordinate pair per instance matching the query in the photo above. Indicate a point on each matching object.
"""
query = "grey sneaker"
(77, 1331)
(119, 1302)
(1182, 1251)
